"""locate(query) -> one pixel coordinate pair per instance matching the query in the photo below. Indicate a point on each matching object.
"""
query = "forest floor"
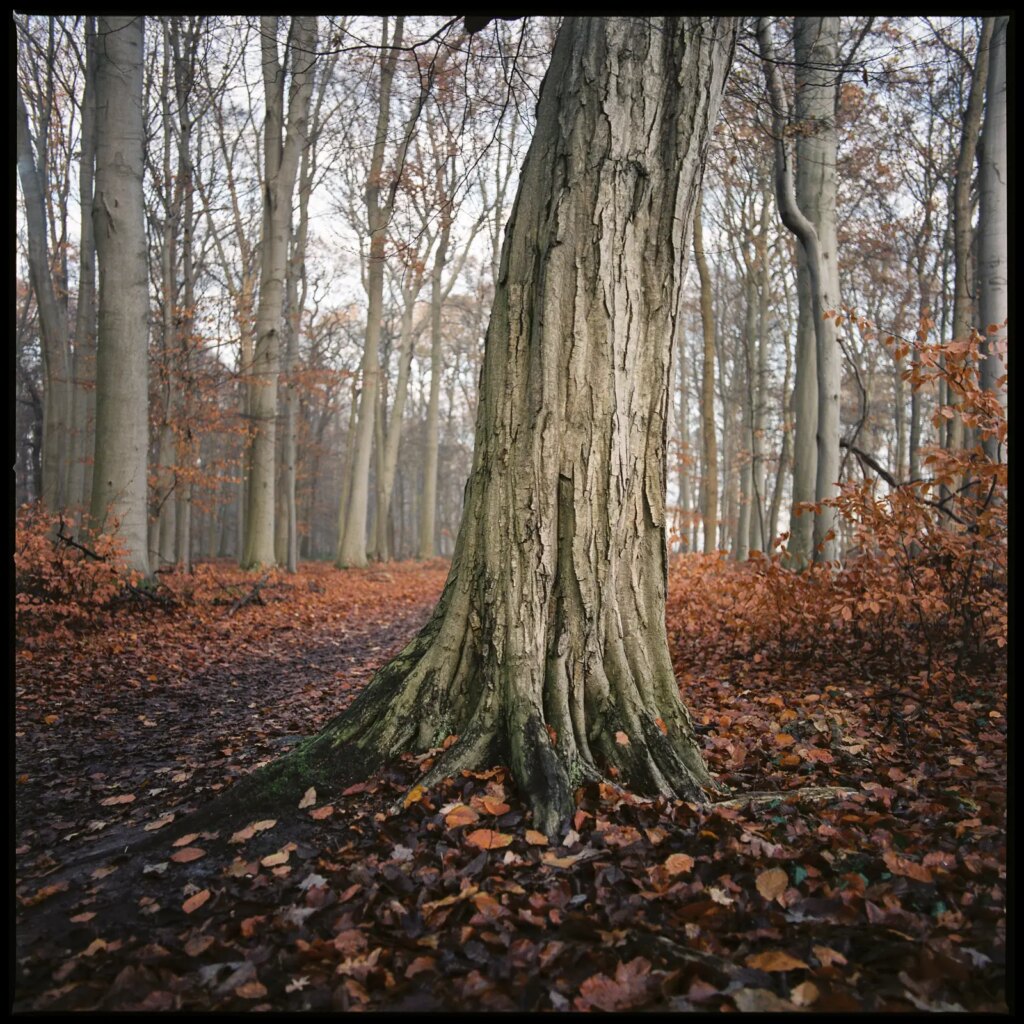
(890, 896)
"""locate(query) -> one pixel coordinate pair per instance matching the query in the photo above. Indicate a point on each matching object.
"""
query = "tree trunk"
(962, 232)
(811, 217)
(281, 165)
(548, 646)
(119, 489)
(53, 328)
(993, 227)
(428, 499)
(83, 407)
(709, 442)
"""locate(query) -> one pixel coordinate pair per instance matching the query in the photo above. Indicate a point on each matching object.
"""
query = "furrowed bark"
(548, 648)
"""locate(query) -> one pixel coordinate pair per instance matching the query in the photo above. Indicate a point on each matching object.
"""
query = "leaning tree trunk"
(548, 647)
(119, 489)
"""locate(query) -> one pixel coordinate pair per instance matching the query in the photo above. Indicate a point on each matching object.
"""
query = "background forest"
(403, 165)
(255, 264)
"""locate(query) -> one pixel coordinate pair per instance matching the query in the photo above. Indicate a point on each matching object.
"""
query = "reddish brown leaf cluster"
(891, 897)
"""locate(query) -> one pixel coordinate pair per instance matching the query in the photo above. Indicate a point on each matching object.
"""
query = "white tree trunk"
(993, 269)
(119, 490)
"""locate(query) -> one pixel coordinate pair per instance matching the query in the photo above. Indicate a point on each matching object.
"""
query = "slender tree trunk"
(119, 490)
(428, 499)
(83, 409)
(53, 328)
(281, 162)
(548, 646)
(993, 224)
(816, 56)
(709, 506)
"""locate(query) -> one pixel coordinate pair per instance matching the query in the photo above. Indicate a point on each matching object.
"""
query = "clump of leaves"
(61, 583)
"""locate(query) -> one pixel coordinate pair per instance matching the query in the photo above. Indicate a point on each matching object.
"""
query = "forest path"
(133, 723)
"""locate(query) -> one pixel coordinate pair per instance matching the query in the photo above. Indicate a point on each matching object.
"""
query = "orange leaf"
(492, 805)
(661, 725)
(774, 960)
(322, 812)
(414, 796)
(487, 839)
(186, 840)
(195, 902)
(535, 838)
(461, 815)
(272, 860)
(190, 853)
(677, 863)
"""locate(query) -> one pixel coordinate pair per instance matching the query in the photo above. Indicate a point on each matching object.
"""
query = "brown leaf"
(272, 860)
(186, 840)
(907, 868)
(198, 944)
(322, 812)
(774, 960)
(414, 796)
(196, 901)
(251, 990)
(308, 799)
(159, 823)
(804, 994)
(82, 918)
(190, 853)
(535, 838)
(622, 739)
(660, 723)
(421, 963)
(459, 815)
(772, 883)
(677, 863)
(487, 839)
(492, 805)
(124, 798)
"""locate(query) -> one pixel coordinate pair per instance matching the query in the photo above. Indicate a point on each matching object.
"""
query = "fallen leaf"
(772, 883)
(186, 840)
(461, 815)
(159, 823)
(322, 812)
(622, 739)
(189, 854)
(272, 860)
(414, 796)
(804, 994)
(124, 798)
(420, 964)
(308, 799)
(774, 960)
(196, 901)
(677, 863)
(535, 838)
(198, 944)
(251, 990)
(488, 839)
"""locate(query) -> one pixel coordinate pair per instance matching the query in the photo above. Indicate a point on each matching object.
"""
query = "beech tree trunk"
(548, 648)
(709, 442)
(281, 156)
(993, 225)
(53, 328)
(119, 489)
(811, 217)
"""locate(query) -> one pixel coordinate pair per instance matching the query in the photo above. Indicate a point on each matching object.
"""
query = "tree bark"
(709, 441)
(548, 646)
(53, 328)
(119, 489)
(83, 402)
(993, 227)
(281, 165)
(816, 49)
